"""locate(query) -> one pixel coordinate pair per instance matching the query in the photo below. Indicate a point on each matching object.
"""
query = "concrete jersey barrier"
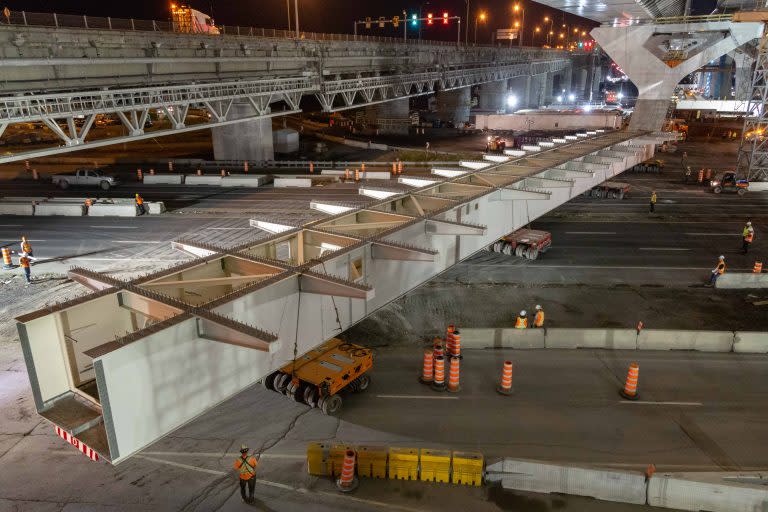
(750, 342)
(736, 280)
(714, 492)
(63, 209)
(502, 338)
(112, 210)
(618, 339)
(9, 208)
(704, 341)
(163, 179)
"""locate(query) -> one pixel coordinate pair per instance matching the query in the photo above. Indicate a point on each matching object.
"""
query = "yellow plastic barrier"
(467, 468)
(372, 461)
(318, 459)
(404, 463)
(435, 465)
(336, 458)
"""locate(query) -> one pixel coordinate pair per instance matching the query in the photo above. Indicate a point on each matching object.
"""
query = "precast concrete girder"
(656, 57)
(322, 284)
(215, 328)
(452, 228)
(542, 182)
(150, 308)
(387, 250)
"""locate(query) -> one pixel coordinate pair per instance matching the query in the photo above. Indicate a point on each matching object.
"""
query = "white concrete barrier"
(376, 175)
(602, 484)
(63, 209)
(245, 180)
(618, 339)
(112, 210)
(163, 179)
(292, 182)
(735, 280)
(194, 179)
(502, 338)
(8, 208)
(758, 186)
(155, 207)
(714, 492)
(705, 341)
(750, 342)
(22, 199)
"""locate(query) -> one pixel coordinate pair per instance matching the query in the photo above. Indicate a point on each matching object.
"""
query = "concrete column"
(640, 51)
(493, 96)
(520, 87)
(549, 82)
(389, 117)
(248, 140)
(537, 90)
(454, 105)
(743, 82)
(567, 81)
(580, 84)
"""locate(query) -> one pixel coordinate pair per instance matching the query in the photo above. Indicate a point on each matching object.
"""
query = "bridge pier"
(453, 106)
(390, 117)
(520, 87)
(248, 140)
(493, 96)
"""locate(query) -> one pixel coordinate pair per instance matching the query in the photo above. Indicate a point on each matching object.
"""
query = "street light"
(511, 101)
(551, 28)
(517, 8)
(481, 17)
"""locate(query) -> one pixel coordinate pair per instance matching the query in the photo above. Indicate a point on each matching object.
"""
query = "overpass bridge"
(65, 71)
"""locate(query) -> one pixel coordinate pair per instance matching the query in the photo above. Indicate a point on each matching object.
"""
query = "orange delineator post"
(199, 172)
(399, 167)
(347, 481)
(758, 268)
(362, 167)
(438, 384)
(139, 175)
(35, 176)
(223, 173)
(505, 386)
(7, 261)
(701, 176)
(453, 376)
(151, 172)
(428, 368)
(26, 165)
(170, 165)
(630, 387)
(245, 166)
(357, 174)
(311, 168)
(394, 168)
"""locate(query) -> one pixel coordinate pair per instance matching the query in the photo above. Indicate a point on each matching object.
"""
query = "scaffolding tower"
(753, 152)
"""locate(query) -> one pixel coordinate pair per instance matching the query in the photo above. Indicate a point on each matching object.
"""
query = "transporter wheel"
(269, 381)
(533, 253)
(519, 251)
(310, 396)
(281, 382)
(364, 382)
(331, 405)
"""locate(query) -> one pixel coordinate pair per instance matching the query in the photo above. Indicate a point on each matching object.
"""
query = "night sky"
(316, 15)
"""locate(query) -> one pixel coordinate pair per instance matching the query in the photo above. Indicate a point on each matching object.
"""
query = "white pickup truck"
(85, 177)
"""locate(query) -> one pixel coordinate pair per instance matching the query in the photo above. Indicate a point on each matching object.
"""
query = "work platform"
(167, 346)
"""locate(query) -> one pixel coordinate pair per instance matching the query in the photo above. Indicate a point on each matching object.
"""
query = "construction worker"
(522, 321)
(246, 467)
(140, 205)
(747, 236)
(717, 271)
(653, 202)
(538, 319)
(26, 246)
(25, 263)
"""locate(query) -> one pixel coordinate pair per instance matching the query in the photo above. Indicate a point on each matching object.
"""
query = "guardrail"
(673, 20)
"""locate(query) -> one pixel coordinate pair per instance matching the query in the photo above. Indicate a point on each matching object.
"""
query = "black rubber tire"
(310, 396)
(365, 381)
(63, 184)
(332, 405)
(717, 190)
(741, 191)
(533, 253)
(281, 382)
(269, 381)
(321, 402)
(104, 185)
(298, 393)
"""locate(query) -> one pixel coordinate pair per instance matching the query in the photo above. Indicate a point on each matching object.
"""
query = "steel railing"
(673, 20)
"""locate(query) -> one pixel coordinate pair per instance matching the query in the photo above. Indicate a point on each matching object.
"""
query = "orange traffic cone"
(630, 387)
(428, 369)
(347, 481)
(453, 376)
(505, 386)
(438, 384)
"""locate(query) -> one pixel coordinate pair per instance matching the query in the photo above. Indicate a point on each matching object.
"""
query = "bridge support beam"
(657, 57)
(390, 117)
(249, 140)
(453, 106)
(492, 96)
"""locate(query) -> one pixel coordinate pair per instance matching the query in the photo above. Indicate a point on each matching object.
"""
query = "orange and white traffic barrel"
(449, 338)
(438, 384)
(453, 376)
(357, 174)
(505, 386)
(455, 350)
(701, 176)
(139, 175)
(758, 268)
(170, 165)
(311, 168)
(7, 261)
(151, 172)
(428, 368)
(347, 481)
(438, 348)
(347, 174)
(630, 387)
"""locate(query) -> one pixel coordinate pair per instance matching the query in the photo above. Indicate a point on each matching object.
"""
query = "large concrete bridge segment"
(55, 75)
(136, 359)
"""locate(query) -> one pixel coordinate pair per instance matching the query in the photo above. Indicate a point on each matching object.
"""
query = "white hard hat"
(522, 313)
(722, 257)
(749, 223)
(538, 307)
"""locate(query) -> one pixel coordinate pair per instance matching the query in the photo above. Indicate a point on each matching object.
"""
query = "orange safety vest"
(721, 268)
(538, 321)
(246, 467)
(749, 236)
(521, 323)
(26, 247)
(24, 262)
(139, 200)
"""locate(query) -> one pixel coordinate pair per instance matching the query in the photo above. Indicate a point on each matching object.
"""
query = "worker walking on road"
(538, 319)
(747, 236)
(246, 467)
(522, 321)
(26, 246)
(717, 271)
(140, 205)
(25, 263)
(652, 204)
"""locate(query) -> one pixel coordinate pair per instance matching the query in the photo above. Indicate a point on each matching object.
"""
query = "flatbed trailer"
(609, 190)
(317, 377)
(524, 243)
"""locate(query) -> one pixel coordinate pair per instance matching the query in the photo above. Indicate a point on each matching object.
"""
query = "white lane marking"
(229, 229)
(183, 466)
(590, 232)
(528, 267)
(10, 225)
(381, 504)
(28, 240)
(115, 227)
(137, 241)
(419, 397)
(663, 249)
(690, 404)
(220, 455)
(712, 234)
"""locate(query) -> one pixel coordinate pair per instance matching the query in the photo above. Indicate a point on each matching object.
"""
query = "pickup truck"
(86, 177)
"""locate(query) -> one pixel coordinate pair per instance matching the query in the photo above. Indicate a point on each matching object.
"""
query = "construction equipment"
(495, 144)
(727, 182)
(188, 20)
(649, 166)
(524, 243)
(317, 377)
(677, 125)
(609, 190)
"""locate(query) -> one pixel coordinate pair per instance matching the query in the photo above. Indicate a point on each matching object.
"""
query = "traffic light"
(395, 21)
(445, 18)
(581, 45)
(429, 19)
(414, 20)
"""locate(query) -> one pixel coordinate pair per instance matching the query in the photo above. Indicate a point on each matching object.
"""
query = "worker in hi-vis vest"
(522, 321)
(246, 467)
(747, 236)
(26, 246)
(538, 320)
(717, 271)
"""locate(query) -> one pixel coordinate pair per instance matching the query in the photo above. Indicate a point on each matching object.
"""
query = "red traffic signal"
(429, 19)
(445, 18)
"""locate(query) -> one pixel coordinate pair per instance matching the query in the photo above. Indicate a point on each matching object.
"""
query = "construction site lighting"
(511, 100)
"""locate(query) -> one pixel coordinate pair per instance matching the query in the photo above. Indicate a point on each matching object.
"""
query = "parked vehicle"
(727, 182)
(85, 178)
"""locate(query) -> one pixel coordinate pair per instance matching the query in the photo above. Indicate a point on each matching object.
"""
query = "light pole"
(466, 32)
(551, 31)
(480, 17)
(296, 17)
(535, 31)
(521, 10)
(288, 11)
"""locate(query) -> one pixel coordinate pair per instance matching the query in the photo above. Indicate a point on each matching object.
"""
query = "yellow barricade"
(467, 468)
(404, 463)
(372, 461)
(336, 458)
(318, 459)
(435, 465)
